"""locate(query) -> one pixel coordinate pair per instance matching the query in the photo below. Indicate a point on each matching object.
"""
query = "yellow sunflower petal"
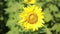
(32, 18)
(30, 1)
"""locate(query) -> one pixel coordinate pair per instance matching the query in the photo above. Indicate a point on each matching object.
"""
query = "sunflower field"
(29, 16)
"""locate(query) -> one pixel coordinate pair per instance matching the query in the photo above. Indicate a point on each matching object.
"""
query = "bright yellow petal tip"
(30, 1)
(32, 18)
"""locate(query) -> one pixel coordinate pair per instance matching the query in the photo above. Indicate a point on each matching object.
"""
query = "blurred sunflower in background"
(30, 1)
(32, 18)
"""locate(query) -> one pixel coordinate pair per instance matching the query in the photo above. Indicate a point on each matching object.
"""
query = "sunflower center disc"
(29, 0)
(32, 18)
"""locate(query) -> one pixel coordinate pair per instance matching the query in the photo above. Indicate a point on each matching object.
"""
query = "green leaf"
(48, 0)
(47, 30)
(40, 4)
(57, 15)
(56, 27)
(59, 4)
(11, 23)
(14, 30)
(1, 3)
(48, 16)
(1, 18)
(53, 7)
(13, 7)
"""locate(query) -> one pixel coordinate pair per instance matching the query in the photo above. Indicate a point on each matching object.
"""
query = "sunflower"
(30, 1)
(32, 18)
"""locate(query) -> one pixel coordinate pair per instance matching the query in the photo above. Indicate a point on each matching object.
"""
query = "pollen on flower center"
(32, 18)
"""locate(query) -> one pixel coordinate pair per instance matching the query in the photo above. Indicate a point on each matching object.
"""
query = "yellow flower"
(30, 1)
(32, 18)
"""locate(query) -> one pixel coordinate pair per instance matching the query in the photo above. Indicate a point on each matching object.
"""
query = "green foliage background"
(10, 10)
